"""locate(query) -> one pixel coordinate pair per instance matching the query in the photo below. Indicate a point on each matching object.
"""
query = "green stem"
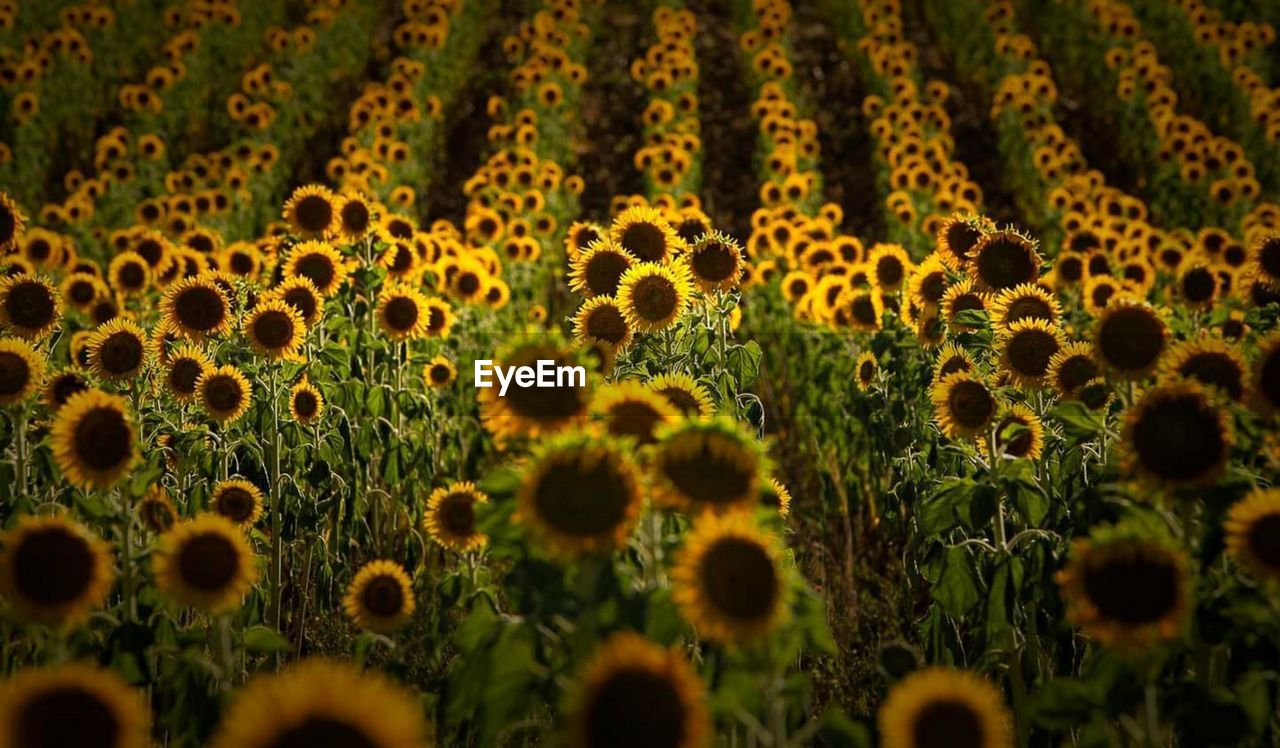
(1152, 710)
(277, 549)
(126, 558)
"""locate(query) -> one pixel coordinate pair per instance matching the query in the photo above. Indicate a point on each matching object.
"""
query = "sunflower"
(129, 273)
(29, 307)
(1025, 301)
(865, 370)
(1264, 261)
(157, 510)
(600, 318)
(890, 266)
(1177, 436)
(1099, 290)
(224, 393)
(450, 518)
(928, 283)
(355, 218)
(728, 579)
(301, 294)
(1003, 259)
(1019, 433)
(689, 397)
(863, 308)
(439, 372)
(632, 410)
(598, 270)
(275, 330)
(636, 693)
(942, 706)
(238, 500)
(1130, 338)
(957, 236)
(312, 212)
(316, 702)
(439, 318)
(580, 495)
(1266, 375)
(72, 704)
(319, 263)
(21, 370)
(654, 296)
(644, 234)
(1026, 347)
(61, 386)
(1197, 285)
(118, 350)
(196, 308)
(402, 312)
(961, 297)
(715, 262)
(1253, 533)
(580, 236)
(1126, 586)
(380, 598)
(205, 562)
(53, 571)
(184, 369)
(92, 439)
(306, 404)
(13, 223)
(964, 405)
(706, 464)
(1095, 394)
(1071, 367)
(80, 290)
(1211, 361)
(774, 494)
(533, 411)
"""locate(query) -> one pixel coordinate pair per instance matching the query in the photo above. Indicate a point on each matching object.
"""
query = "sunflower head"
(601, 318)
(865, 370)
(1071, 367)
(196, 308)
(964, 405)
(1019, 433)
(275, 329)
(598, 270)
(580, 494)
(157, 510)
(402, 312)
(72, 704)
(13, 223)
(61, 386)
(689, 397)
(1177, 436)
(1130, 338)
(1003, 259)
(631, 410)
(715, 262)
(1024, 301)
(654, 296)
(1211, 361)
(319, 263)
(890, 266)
(1026, 348)
(439, 372)
(224, 393)
(644, 234)
(312, 212)
(21, 370)
(355, 217)
(1266, 375)
(962, 297)
(729, 581)
(205, 562)
(238, 500)
(957, 237)
(183, 371)
(1253, 533)
(380, 598)
(451, 517)
(709, 464)
(533, 411)
(928, 284)
(941, 706)
(93, 439)
(30, 308)
(306, 404)
(1127, 586)
(53, 571)
(636, 693)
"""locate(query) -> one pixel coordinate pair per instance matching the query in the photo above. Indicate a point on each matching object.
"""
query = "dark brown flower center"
(236, 504)
(645, 241)
(1030, 350)
(223, 393)
(208, 562)
(961, 237)
(383, 596)
(103, 439)
(64, 716)
(889, 271)
(1004, 262)
(635, 419)
(1264, 539)
(603, 272)
(635, 708)
(607, 323)
(1134, 589)
(457, 514)
(273, 329)
(1216, 369)
(355, 218)
(1075, 372)
(15, 373)
(706, 475)
(29, 304)
(654, 298)
(314, 213)
(971, 404)
(739, 579)
(323, 732)
(582, 497)
(1179, 438)
(201, 308)
(305, 403)
(947, 723)
(52, 566)
(1131, 338)
(715, 262)
(183, 375)
(1198, 285)
(401, 313)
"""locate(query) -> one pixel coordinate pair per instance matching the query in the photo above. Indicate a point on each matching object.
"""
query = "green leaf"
(1064, 703)
(743, 362)
(264, 640)
(957, 588)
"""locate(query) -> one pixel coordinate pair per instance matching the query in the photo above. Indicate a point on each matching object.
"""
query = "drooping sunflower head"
(312, 212)
(957, 236)
(206, 563)
(580, 495)
(22, 369)
(13, 223)
(890, 266)
(599, 269)
(224, 393)
(72, 705)
(196, 308)
(1177, 436)
(93, 439)
(1266, 375)
(53, 571)
(637, 693)
(1025, 301)
(319, 263)
(1003, 259)
(715, 262)
(183, 371)
(1130, 338)
(1026, 348)
(316, 702)
(689, 397)
(774, 494)
(1127, 586)
(709, 464)
(1211, 361)
(865, 370)
(631, 410)
(1253, 533)
(601, 318)
(644, 234)
(729, 581)
(941, 706)
(30, 308)
(238, 500)
(274, 329)
(439, 372)
(380, 597)
(964, 405)
(451, 517)
(306, 404)
(532, 411)
(157, 511)
(654, 296)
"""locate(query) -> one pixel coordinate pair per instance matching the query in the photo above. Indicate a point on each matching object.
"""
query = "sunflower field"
(913, 373)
